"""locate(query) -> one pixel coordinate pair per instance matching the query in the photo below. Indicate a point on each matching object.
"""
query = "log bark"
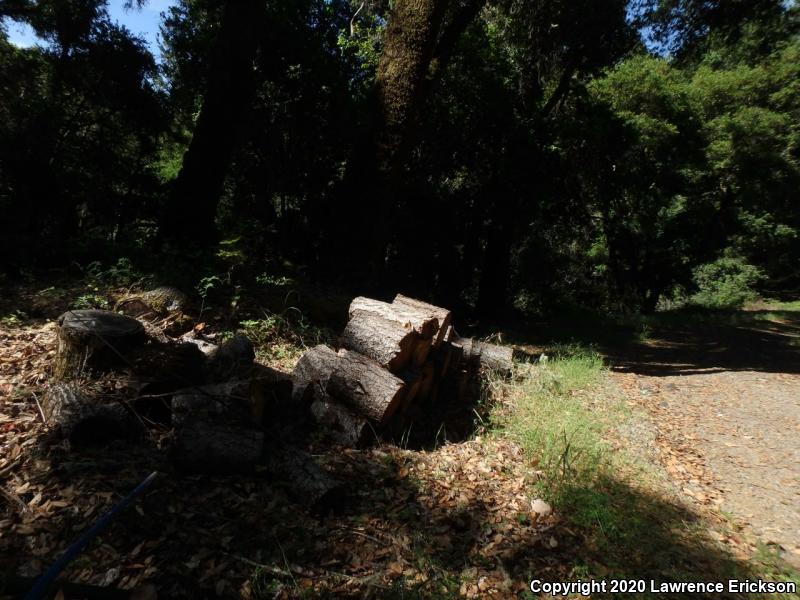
(442, 315)
(490, 357)
(217, 448)
(366, 387)
(94, 340)
(86, 420)
(314, 367)
(153, 303)
(308, 482)
(421, 322)
(342, 424)
(386, 341)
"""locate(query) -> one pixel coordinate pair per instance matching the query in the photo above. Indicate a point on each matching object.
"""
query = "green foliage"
(121, 273)
(727, 282)
(281, 338)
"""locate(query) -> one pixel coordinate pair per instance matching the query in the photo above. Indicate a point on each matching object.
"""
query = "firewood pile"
(116, 377)
(395, 359)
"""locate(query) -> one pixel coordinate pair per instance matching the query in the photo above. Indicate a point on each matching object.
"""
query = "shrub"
(727, 282)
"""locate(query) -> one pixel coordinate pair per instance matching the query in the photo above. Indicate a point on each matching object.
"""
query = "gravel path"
(728, 435)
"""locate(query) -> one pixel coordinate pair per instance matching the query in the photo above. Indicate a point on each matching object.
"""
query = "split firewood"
(420, 321)
(94, 340)
(366, 387)
(386, 341)
(442, 315)
(84, 419)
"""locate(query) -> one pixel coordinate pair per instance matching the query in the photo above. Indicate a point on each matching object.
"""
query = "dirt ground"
(724, 401)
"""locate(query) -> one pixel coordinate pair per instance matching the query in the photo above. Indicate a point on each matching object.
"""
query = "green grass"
(562, 414)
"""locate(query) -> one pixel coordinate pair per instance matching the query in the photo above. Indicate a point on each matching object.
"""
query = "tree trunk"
(192, 208)
(94, 339)
(387, 342)
(366, 387)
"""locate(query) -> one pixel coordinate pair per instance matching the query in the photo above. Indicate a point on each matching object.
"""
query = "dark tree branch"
(452, 32)
(561, 89)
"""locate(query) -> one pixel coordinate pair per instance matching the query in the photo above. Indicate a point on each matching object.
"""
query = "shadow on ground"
(402, 533)
(686, 342)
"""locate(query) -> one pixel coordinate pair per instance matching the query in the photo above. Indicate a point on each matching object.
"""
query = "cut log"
(490, 357)
(307, 481)
(442, 315)
(217, 448)
(86, 420)
(341, 424)
(366, 387)
(94, 340)
(388, 342)
(157, 302)
(314, 367)
(421, 322)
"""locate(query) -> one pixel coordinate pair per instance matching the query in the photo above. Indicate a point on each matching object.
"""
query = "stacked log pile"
(394, 358)
(227, 413)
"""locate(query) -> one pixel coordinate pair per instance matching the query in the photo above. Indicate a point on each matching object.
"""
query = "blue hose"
(45, 581)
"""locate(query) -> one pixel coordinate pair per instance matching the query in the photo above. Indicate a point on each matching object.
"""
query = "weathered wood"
(341, 424)
(94, 340)
(218, 448)
(365, 387)
(208, 348)
(386, 341)
(490, 357)
(442, 315)
(84, 419)
(314, 367)
(421, 322)
(156, 302)
(307, 481)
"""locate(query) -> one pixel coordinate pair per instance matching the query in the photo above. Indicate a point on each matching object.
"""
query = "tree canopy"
(494, 155)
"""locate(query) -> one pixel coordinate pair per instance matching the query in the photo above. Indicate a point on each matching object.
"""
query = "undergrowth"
(561, 413)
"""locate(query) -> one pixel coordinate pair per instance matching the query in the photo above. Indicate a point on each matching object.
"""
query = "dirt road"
(724, 402)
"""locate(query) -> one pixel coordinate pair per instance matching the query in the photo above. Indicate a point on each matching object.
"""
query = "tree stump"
(94, 340)
(86, 420)
(386, 341)
(233, 358)
(366, 387)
